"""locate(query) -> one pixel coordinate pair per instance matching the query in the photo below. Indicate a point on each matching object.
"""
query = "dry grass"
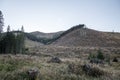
(15, 67)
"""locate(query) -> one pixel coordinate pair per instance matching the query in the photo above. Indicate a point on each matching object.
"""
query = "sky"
(57, 15)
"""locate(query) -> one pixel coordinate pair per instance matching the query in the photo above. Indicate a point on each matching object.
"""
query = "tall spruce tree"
(20, 43)
(9, 41)
(22, 40)
(1, 22)
(17, 43)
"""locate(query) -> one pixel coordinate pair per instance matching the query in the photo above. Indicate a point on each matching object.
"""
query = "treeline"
(12, 41)
(34, 38)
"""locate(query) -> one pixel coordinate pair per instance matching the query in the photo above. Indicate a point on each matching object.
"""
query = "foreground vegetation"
(16, 67)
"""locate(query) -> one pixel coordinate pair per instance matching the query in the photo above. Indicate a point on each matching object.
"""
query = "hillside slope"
(46, 35)
(43, 38)
(81, 36)
(29, 43)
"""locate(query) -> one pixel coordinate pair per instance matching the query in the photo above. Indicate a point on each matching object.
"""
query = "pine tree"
(1, 22)
(22, 40)
(8, 29)
(9, 41)
(20, 43)
(22, 28)
(13, 42)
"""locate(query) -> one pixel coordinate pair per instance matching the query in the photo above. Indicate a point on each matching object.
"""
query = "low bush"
(75, 69)
(100, 55)
(115, 59)
(86, 69)
(93, 71)
(55, 60)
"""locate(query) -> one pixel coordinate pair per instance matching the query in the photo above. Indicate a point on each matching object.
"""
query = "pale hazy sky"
(57, 15)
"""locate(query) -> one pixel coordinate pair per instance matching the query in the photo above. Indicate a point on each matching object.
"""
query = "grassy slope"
(77, 36)
(88, 37)
(30, 43)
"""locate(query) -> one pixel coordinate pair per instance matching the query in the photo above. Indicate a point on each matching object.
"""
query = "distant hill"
(46, 35)
(76, 36)
(43, 38)
(81, 36)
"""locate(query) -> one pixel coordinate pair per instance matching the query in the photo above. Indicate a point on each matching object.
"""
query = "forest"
(11, 41)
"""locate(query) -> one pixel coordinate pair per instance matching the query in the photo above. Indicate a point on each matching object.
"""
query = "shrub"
(100, 55)
(7, 67)
(75, 69)
(33, 73)
(115, 59)
(96, 61)
(55, 60)
(91, 56)
(92, 71)
(85, 69)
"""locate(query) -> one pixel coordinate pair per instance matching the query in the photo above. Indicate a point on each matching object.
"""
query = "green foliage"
(8, 64)
(7, 43)
(100, 55)
(91, 56)
(12, 42)
(15, 75)
(7, 67)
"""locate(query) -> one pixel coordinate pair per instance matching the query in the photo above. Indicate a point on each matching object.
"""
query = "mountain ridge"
(83, 36)
(77, 35)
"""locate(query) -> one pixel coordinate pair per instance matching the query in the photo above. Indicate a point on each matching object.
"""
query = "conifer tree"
(9, 41)
(22, 39)
(1, 22)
